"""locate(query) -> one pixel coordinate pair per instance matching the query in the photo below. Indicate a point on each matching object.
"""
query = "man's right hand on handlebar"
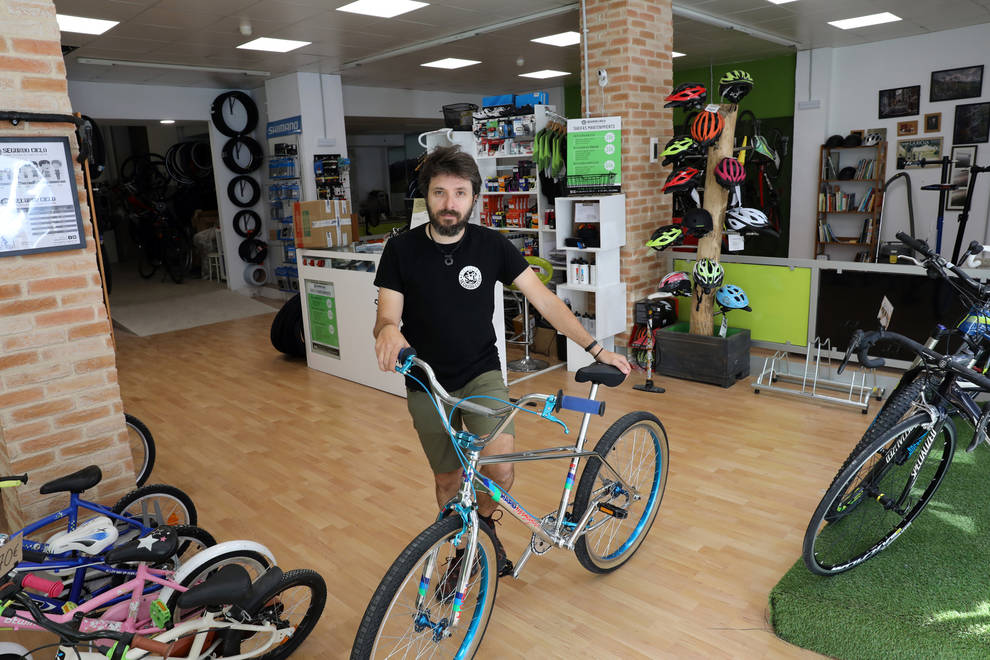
(388, 343)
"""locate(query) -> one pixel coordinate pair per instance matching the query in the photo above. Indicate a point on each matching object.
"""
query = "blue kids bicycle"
(415, 613)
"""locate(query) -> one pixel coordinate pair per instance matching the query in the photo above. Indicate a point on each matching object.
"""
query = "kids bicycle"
(210, 608)
(412, 613)
(75, 552)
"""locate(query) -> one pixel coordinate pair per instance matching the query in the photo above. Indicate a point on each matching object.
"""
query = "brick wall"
(633, 39)
(60, 407)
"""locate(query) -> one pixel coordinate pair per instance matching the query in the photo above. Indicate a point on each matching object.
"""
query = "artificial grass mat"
(926, 596)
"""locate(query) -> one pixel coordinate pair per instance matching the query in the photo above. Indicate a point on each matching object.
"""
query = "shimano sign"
(286, 126)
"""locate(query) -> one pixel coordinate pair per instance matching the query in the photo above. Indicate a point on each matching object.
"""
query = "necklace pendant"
(448, 260)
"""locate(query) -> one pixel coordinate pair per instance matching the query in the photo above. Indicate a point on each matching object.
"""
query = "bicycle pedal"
(614, 511)
(506, 568)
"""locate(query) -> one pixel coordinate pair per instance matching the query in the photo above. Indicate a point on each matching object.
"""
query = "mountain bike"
(617, 499)
(210, 608)
(74, 551)
(885, 484)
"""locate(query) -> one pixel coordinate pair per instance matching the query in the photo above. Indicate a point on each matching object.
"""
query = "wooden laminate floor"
(330, 476)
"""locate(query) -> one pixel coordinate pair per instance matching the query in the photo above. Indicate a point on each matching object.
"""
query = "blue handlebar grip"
(582, 405)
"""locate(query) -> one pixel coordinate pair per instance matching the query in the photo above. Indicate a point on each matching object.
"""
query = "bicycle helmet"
(697, 222)
(687, 95)
(708, 274)
(677, 282)
(743, 219)
(834, 141)
(665, 236)
(852, 140)
(707, 127)
(682, 180)
(731, 296)
(678, 149)
(872, 139)
(734, 85)
(729, 173)
(847, 173)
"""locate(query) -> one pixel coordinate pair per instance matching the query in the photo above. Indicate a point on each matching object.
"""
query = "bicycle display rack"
(819, 375)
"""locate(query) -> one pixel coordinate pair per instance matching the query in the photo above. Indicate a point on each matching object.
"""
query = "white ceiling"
(206, 33)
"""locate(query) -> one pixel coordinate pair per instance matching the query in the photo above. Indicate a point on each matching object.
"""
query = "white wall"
(847, 81)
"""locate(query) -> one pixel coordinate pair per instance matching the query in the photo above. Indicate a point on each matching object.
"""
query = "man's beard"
(444, 229)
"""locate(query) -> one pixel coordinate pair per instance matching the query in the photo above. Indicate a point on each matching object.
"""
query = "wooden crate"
(718, 360)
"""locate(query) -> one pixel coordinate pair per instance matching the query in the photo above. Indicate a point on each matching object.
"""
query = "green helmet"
(734, 85)
(666, 236)
(734, 76)
(708, 274)
(679, 148)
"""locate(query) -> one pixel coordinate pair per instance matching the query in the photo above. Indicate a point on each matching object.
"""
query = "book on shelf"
(866, 169)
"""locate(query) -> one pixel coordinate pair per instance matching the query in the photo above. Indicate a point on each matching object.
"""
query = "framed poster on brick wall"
(39, 201)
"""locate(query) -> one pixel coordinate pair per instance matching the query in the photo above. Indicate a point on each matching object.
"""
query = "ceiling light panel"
(83, 25)
(780, 2)
(382, 8)
(562, 39)
(545, 73)
(451, 63)
(864, 21)
(274, 45)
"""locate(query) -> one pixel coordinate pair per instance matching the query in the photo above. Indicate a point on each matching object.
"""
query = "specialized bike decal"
(921, 457)
(499, 495)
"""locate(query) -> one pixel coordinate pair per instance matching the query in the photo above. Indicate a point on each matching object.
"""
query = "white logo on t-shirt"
(469, 277)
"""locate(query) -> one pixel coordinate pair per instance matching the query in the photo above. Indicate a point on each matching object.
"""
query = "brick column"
(633, 39)
(60, 407)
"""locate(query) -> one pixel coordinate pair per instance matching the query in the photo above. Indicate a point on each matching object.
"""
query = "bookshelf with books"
(848, 207)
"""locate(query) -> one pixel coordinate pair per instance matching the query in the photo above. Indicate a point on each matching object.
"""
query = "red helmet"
(682, 179)
(687, 95)
(707, 127)
(729, 173)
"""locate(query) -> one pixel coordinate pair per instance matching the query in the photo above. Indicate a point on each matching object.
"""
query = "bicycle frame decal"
(921, 456)
(500, 495)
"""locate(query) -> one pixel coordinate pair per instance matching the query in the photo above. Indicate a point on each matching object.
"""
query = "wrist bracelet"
(600, 350)
(594, 342)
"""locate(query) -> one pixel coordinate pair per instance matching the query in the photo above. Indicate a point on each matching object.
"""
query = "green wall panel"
(780, 298)
(773, 85)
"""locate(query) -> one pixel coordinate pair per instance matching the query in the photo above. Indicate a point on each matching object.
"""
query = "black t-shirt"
(447, 310)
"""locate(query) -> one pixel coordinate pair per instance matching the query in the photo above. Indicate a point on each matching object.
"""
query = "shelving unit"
(834, 228)
(284, 189)
(533, 229)
(603, 297)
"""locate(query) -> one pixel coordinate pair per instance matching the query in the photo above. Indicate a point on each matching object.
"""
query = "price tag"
(736, 242)
(724, 328)
(712, 107)
(11, 554)
(886, 311)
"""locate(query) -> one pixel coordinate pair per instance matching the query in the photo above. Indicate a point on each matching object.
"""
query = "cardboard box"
(323, 223)
(544, 341)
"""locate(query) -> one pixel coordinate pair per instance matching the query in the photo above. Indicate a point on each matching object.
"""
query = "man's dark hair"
(452, 161)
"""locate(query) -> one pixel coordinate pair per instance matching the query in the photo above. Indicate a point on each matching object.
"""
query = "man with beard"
(438, 281)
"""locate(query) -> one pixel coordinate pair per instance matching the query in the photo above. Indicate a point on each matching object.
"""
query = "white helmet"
(740, 219)
(871, 139)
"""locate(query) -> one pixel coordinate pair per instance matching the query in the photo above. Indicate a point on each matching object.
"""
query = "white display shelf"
(611, 220)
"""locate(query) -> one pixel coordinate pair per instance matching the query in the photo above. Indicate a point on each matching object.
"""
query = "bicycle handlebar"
(13, 480)
(862, 342)
(941, 264)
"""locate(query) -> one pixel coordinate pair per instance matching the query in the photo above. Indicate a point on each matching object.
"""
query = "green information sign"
(322, 318)
(594, 150)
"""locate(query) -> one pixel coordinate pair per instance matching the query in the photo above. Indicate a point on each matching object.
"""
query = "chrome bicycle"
(414, 613)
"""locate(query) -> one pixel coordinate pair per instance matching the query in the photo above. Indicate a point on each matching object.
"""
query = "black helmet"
(697, 222)
(834, 141)
(852, 140)
(847, 173)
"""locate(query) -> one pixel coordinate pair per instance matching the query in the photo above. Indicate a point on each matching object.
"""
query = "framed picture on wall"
(900, 101)
(933, 122)
(916, 149)
(962, 158)
(963, 83)
(972, 123)
(907, 127)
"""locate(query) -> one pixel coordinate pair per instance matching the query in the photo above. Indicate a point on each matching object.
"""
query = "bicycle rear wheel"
(636, 446)
(869, 504)
(142, 448)
(393, 624)
(148, 507)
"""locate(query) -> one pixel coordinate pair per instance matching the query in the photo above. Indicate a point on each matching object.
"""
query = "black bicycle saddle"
(603, 374)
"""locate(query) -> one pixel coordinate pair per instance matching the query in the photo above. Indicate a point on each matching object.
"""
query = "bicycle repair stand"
(777, 368)
(648, 386)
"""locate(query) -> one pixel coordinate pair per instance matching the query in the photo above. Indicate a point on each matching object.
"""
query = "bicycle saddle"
(154, 547)
(231, 585)
(603, 374)
(76, 482)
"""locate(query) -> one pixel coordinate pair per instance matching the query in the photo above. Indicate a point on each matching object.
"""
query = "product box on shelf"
(323, 223)
(492, 101)
(533, 98)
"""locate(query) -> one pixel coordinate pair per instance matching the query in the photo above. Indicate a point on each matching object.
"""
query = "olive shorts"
(436, 443)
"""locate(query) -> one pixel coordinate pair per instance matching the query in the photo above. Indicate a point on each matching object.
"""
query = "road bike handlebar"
(862, 343)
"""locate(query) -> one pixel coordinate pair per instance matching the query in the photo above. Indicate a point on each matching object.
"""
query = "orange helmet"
(707, 127)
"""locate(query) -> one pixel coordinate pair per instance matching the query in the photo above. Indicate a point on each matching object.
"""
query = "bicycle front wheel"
(148, 507)
(396, 623)
(877, 495)
(142, 448)
(636, 447)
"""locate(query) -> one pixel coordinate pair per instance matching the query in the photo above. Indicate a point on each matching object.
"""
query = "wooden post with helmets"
(716, 201)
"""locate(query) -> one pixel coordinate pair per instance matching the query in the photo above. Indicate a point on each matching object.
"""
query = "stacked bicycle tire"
(243, 156)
